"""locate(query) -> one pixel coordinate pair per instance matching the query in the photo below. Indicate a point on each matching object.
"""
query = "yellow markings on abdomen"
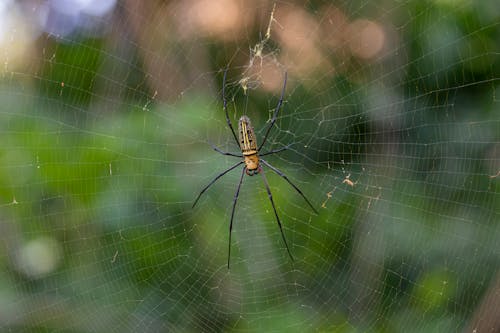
(248, 143)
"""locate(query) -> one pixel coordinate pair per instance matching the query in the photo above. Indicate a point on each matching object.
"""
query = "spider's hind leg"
(213, 181)
(236, 195)
(275, 212)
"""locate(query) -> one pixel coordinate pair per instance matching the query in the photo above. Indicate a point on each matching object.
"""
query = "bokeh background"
(392, 112)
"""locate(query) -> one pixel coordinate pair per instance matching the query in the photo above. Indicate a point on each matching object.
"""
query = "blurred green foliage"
(114, 189)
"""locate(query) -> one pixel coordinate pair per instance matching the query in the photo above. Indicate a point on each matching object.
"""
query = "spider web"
(391, 113)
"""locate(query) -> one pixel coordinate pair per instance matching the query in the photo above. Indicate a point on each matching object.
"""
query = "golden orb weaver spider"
(251, 158)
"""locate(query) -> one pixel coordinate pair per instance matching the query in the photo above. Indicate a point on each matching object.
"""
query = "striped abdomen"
(248, 143)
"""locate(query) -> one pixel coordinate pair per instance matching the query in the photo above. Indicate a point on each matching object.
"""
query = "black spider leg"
(276, 150)
(273, 120)
(214, 180)
(224, 103)
(232, 213)
(223, 152)
(275, 212)
(289, 182)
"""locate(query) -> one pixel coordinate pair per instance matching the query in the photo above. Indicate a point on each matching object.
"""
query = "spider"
(251, 157)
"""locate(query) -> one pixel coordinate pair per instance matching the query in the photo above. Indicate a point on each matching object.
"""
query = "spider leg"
(273, 120)
(224, 103)
(275, 212)
(232, 214)
(289, 182)
(214, 180)
(223, 152)
(276, 150)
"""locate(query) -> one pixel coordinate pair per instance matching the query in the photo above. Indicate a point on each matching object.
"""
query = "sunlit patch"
(16, 36)
(299, 35)
(366, 38)
(220, 18)
(333, 28)
(62, 18)
(39, 257)
(271, 77)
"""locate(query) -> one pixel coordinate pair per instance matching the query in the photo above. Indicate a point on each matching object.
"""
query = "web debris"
(495, 176)
(257, 51)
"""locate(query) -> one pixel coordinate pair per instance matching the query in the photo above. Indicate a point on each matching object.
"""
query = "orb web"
(391, 117)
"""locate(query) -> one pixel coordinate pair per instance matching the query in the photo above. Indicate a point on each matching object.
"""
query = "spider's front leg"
(279, 150)
(223, 152)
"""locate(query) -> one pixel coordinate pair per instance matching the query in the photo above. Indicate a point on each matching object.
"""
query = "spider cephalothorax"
(250, 154)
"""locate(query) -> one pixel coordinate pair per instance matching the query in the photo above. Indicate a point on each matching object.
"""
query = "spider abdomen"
(248, 145)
